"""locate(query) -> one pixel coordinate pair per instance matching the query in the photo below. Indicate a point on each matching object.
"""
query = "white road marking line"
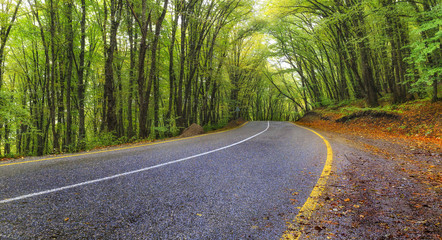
(131, 172)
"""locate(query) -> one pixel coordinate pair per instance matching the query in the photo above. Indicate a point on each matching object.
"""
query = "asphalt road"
(242, 184)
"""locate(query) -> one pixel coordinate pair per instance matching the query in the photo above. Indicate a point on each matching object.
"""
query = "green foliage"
(274, 62)
(326, 101)
(161, 131)
(215, 126)
(337, 105)
(11, 112)
(101, 140)
(425, 52)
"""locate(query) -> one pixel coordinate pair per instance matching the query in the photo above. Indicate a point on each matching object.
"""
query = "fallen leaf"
(319, 229)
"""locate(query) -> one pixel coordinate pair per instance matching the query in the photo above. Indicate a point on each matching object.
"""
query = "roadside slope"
(386, 181)
(416, 124)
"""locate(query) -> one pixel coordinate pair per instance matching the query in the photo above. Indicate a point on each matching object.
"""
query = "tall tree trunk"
(398, 65)
(172, 75)
(130, 33)
(7, 144)
(367, 73)
(52, 98)
(81, 81)
(142, 98)
(109, 86)
(156, 108)
(120, 117)
(70, 59)
(179, 98)
(153, 76)
(4, 35)
(141, 83)
(105, 53)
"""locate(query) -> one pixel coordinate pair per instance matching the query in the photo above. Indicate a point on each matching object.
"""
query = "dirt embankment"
(417, 124)
(192, 130)
(196, 129)
(235, 123)
(387, 176)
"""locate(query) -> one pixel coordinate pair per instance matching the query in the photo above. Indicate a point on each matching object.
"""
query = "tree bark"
(109, 86)
(153, 76)
(81, 81)
(142, 98)
(367, 73)
(172, 75)
(70, 59)
(132, 49)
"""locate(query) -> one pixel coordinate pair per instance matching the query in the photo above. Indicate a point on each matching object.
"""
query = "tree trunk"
(52, 98)
(132, 49)
(109, 87)
(70, 58)
(120, 119)
(81, 82)
(153, 76)
(142, 98)
(4, 35)
(172, 76)
(367, 73)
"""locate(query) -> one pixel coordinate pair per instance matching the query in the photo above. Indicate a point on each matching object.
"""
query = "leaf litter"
(386, 180)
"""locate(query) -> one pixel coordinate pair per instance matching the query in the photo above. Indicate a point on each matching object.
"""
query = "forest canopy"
(77, 74)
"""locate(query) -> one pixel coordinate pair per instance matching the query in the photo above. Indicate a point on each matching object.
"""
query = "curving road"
(241, 184)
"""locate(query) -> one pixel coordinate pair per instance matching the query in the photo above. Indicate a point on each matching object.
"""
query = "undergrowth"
(213, 127)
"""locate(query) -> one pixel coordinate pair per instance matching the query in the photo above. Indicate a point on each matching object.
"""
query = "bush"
(215, 126)
(102, 139)
(325, 101)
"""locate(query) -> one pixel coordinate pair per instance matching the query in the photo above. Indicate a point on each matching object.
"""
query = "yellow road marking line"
(295, 232)
(118, 149)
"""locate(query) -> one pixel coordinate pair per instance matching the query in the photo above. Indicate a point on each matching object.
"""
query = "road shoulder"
(378, 190)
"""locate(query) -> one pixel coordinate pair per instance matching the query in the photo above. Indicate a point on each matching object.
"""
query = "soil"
(192, 130)
(386, 183)
(235, 123)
